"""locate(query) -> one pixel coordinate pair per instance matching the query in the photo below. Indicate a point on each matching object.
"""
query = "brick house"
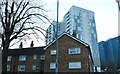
(26, 60)
(73, 55)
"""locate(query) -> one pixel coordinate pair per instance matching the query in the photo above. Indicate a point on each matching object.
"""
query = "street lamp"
(57, 38)
(118, 1)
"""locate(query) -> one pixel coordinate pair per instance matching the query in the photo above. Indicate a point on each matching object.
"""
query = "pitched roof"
(26, 51)
(80, 41)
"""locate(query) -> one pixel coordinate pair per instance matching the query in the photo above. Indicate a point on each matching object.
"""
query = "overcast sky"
(106, 15)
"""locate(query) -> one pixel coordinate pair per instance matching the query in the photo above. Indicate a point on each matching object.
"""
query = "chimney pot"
(21, 45)
(31, 45)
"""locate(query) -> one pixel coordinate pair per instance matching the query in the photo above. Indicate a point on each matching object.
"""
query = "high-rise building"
(51, 32)
(80, 23)
(109, 54)
(103, 55)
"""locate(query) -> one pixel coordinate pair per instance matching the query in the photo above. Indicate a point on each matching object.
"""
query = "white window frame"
(9, 58)
(35, 56)
(76, 50)
(52, 65)
(21, 67)
(34, 67)
(8, 67)
(22, 58)
(74, 65)
(53, 52)
(42, 57)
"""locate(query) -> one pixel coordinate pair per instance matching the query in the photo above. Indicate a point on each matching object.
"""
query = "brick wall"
(65, 43)
(28, 63)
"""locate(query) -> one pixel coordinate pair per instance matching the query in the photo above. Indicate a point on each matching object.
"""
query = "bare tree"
(17, 21)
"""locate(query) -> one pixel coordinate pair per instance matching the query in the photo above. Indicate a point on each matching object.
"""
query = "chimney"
(21, 45)
(31, 45)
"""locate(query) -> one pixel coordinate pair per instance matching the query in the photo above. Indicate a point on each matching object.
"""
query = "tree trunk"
(4, 56)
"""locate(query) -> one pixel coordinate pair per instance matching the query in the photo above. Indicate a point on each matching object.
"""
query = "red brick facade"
(29, 52)
(64, 43)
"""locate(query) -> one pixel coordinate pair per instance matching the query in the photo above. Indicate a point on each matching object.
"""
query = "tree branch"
(11, 13)
(33, 7)
(24, 6)
(15, 20)
(3, 24)
(14, 14)
(16, 42)
(33, 15)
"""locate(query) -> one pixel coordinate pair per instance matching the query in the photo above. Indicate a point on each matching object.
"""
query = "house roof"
(26, 51)
(80, 41)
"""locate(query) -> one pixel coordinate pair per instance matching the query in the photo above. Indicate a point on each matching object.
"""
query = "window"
(42, 57)
(74, 65)
(52, 65)
(21, 67)
(53, 52)
(34, 56)
(79, 28)
(89, 23)
(94, 35)
(93, 24)
(9, 58)
(22, 58)
(34, 67)
(74, 51)
(92, 31)
(8, 67)
(78, 20)
(68, 22)
(77, 35)
(81, 37)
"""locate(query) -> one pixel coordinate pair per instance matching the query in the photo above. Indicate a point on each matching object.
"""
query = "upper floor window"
(74, 50)
(52, 65)
(53, 52)
(21, 67)
(9, 58)
(74, 65)
(22, 58)
(8, 67)
(42, 57)
(34, 56)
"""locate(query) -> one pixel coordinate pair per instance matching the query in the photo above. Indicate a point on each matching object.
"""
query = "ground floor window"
(8, 67)
(52, 65)
(34, 67)
(21, 67)
(74, 65)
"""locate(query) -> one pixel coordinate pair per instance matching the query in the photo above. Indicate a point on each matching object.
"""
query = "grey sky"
(106, 16)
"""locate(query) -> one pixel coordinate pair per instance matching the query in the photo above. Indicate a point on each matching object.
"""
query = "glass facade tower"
(109, 54)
